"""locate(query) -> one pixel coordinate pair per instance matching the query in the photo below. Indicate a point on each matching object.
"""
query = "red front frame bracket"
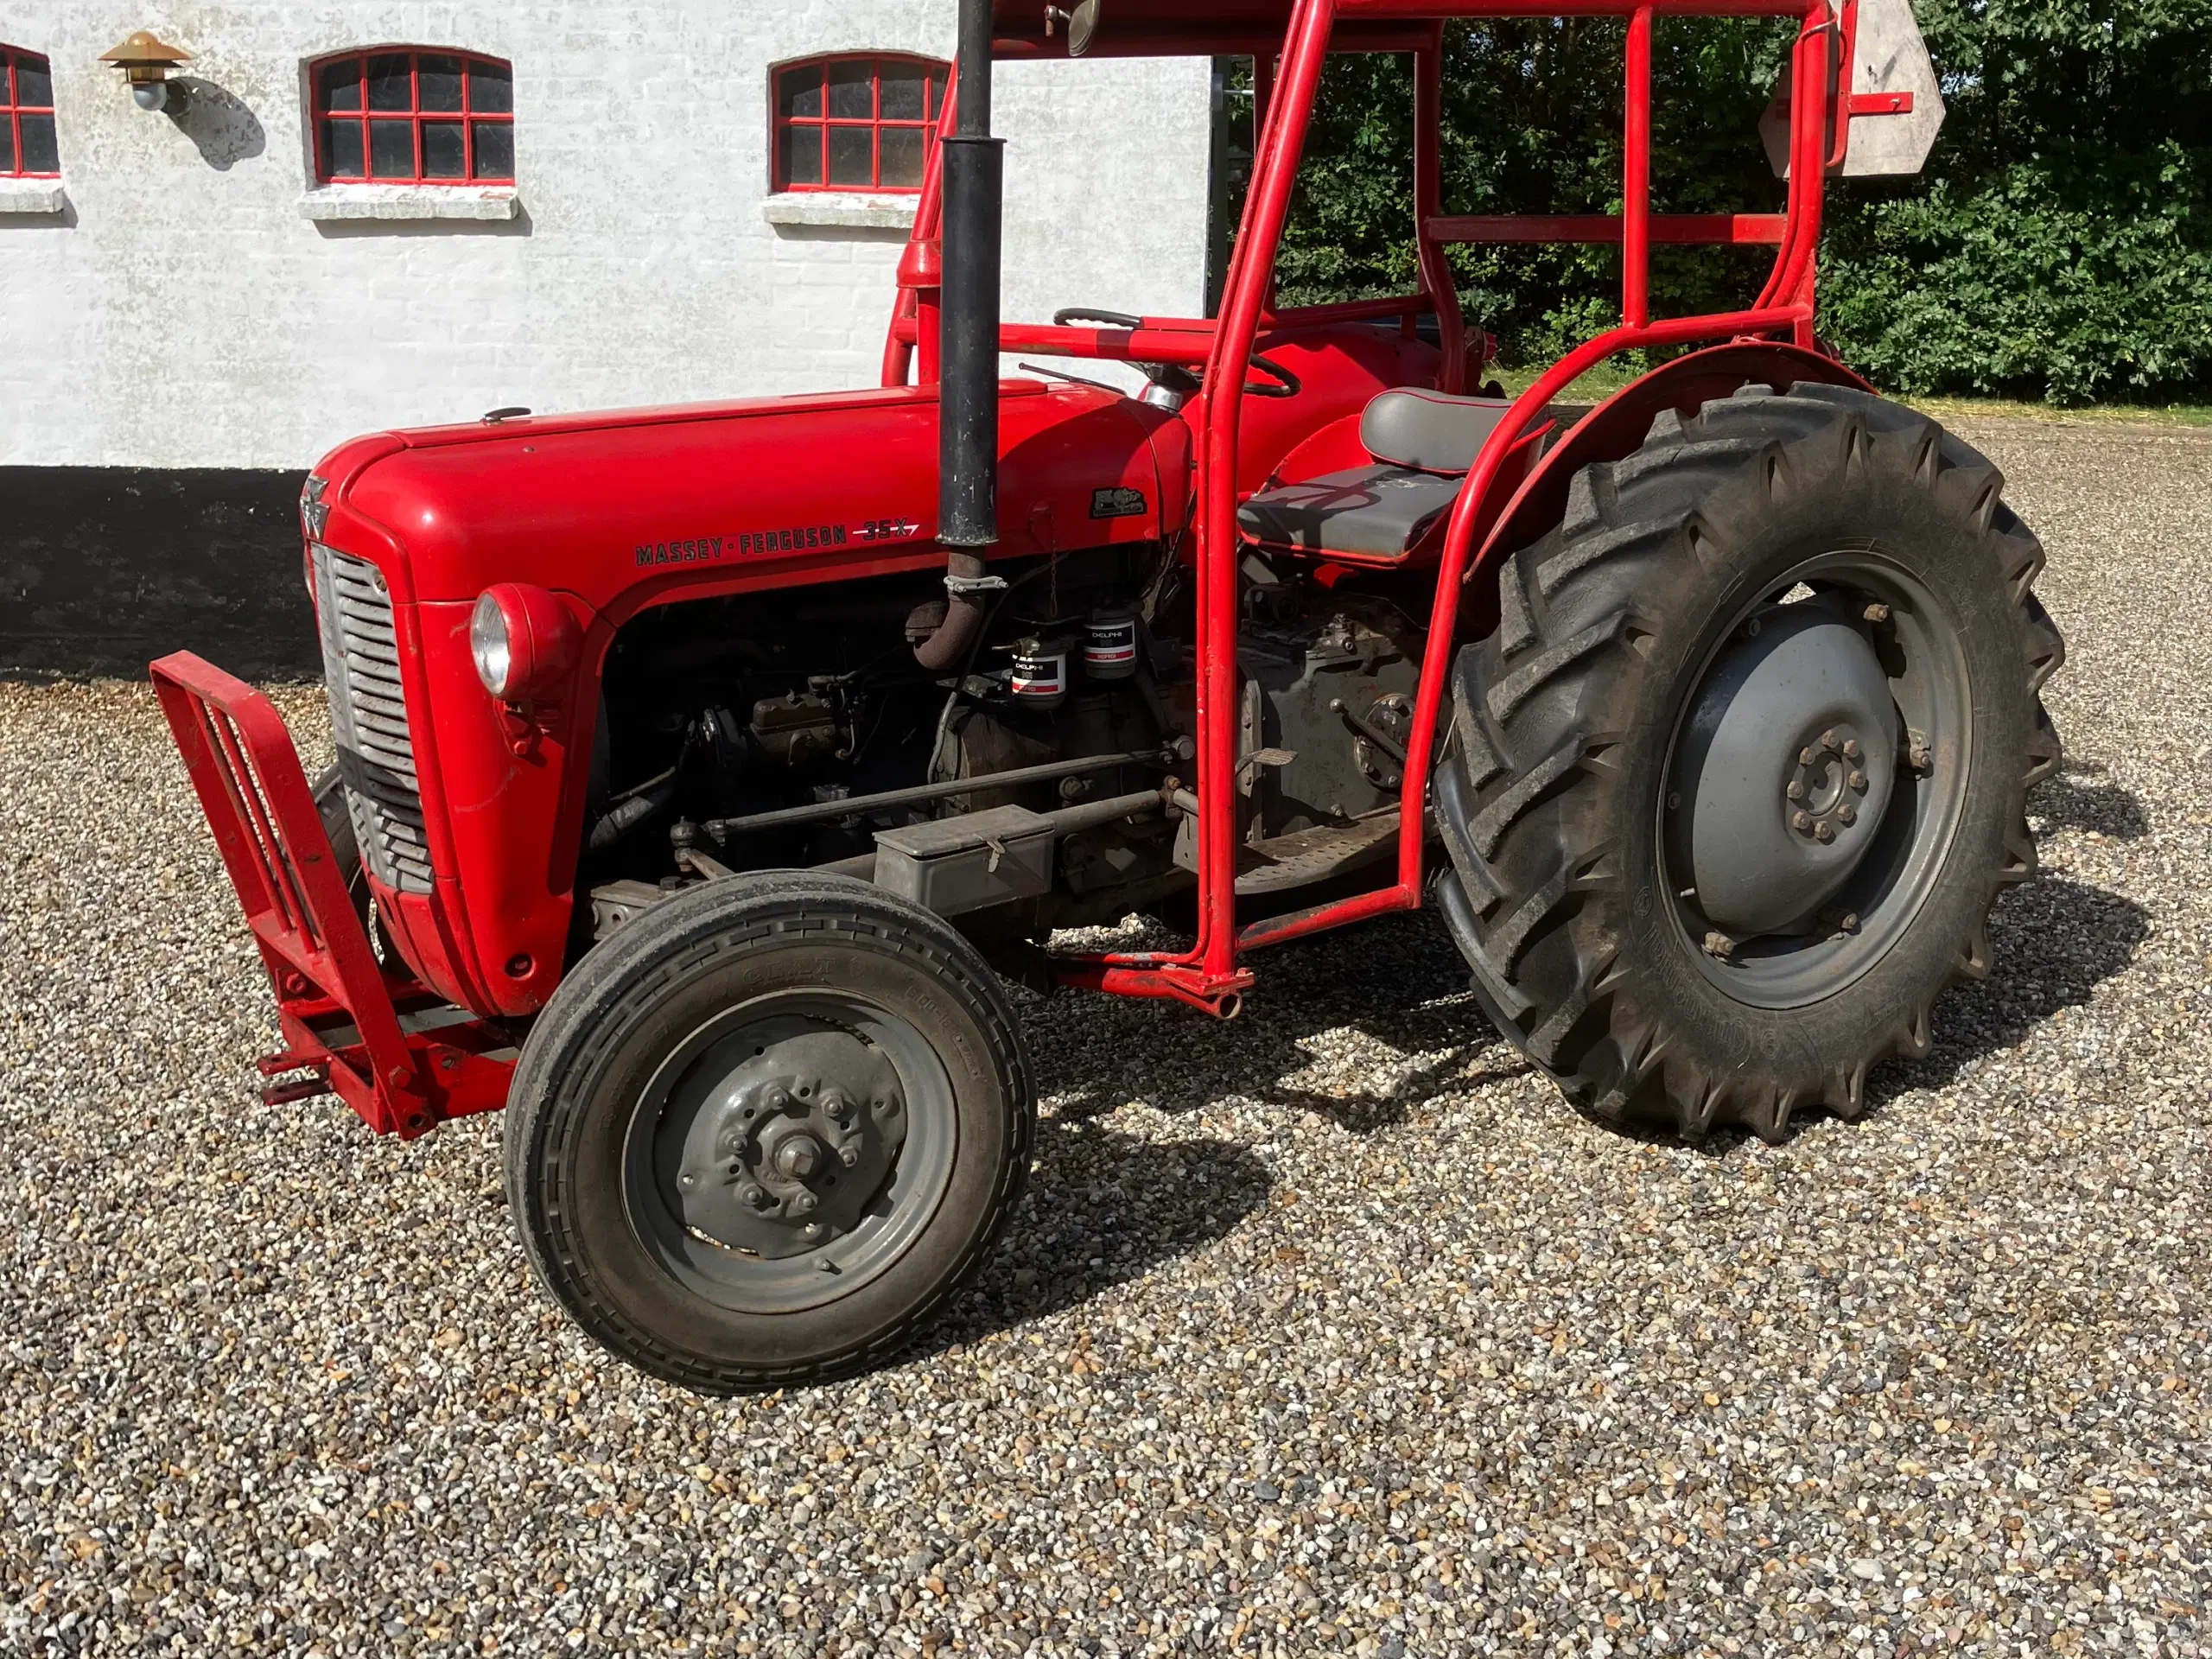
(399, 1056)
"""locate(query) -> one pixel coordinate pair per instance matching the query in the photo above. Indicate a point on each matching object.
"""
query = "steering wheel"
(1286, 384)
(1076, 313)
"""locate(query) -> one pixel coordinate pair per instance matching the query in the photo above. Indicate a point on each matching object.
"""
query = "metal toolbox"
(968, 862)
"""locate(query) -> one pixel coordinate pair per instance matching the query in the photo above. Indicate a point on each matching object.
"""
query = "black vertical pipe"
(968, 393)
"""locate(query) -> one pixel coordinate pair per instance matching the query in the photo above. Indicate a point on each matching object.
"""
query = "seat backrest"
(1428, 431)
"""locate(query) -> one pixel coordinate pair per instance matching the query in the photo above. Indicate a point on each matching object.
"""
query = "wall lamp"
(146, 63)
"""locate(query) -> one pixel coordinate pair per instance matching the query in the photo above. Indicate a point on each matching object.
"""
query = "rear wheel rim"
(790, 1151)
(1900, 852)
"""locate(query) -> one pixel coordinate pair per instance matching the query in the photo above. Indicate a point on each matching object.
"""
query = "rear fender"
(1618, 427)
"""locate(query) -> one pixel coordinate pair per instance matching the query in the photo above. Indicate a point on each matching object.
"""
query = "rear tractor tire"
(1730, 791)
(762, 1135)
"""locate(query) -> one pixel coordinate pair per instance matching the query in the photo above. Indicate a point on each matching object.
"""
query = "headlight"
(491, 644)
(524, 642)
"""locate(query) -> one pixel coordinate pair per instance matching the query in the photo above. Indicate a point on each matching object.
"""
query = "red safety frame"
(12, 112)
(467, 118)
(936, 88)
(1212, 974)
(390, 1048)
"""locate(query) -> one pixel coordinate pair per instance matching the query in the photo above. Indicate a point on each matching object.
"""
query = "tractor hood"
(616, 509)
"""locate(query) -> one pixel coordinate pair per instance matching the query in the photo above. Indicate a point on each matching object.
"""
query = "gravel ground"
(1330, 1330)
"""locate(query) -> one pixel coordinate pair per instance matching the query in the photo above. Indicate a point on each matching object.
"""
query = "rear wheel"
(764, 1133)
(1731, 790)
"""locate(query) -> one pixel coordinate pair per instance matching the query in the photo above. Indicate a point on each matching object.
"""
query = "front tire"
(1731, 790)
(761, 1135)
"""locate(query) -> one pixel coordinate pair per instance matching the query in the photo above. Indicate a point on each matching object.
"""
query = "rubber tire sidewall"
(634, 999)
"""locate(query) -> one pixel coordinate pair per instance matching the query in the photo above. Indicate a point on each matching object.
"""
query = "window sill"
(32, 196)
(855, 209)
(402, 201)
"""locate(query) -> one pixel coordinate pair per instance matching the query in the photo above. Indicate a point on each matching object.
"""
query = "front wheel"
(763, 1133)
(1731, 790)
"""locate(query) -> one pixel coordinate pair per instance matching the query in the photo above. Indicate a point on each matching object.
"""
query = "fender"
(1616, 428)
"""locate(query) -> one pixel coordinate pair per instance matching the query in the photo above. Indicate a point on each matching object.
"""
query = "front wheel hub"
(1784, 771)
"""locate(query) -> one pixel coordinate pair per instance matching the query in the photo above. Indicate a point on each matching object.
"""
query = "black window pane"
(437, 82)
(495, 149)
(342, 149)
(445, 155)
(7, 145)
(490, 88)
(389, 86)
(339, 86)
(852, 91)
(40, 153)
(802, 155)
(902, 92)
(798, 92)
(902, 157)
(391, 150)
(34, 82)
(852, 156)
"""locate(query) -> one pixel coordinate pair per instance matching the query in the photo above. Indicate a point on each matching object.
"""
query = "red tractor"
(702, 769)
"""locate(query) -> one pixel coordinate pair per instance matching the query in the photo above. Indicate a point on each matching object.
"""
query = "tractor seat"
(1423, 443)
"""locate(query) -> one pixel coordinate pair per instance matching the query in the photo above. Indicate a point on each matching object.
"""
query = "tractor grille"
(368, 715)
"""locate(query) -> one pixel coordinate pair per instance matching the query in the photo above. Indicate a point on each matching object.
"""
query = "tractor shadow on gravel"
(1359, 1028)
(1101, 1208)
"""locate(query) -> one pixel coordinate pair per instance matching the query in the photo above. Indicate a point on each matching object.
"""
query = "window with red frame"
(29, 148)
(856, 124)
(414, 118)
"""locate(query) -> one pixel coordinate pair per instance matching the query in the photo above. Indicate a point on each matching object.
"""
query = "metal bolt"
(1801, 822)
(798, 1157)
(849, 1156)
(1859, 780)
(1797, 790)
(775, 1098)
(1848, 812)
(812, 1229)
(753, 1195)
(688, 1178)
(1917, 754)
(1877, 612)
(805, 1203)
(1828, 738)
(1804, 757)
(1718, 943)
(1751, 629)
(1824, 831)
(1851, 749)
(1849, 921)
(1674, 799)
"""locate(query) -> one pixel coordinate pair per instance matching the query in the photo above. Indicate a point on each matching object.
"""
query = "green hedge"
(2058, 246)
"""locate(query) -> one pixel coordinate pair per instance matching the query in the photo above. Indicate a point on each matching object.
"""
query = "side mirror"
(1083, 25)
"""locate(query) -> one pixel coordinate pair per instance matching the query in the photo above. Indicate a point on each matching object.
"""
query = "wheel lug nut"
(1718, 943)
(1804, 757)
(1827, 739)
(1801, 822)
(1797, 790)
(1824, 831)
(1851, 749)
(1848, 812)
(1859, 780)
(849, 1156)
(805, 1203)
(752, 1195)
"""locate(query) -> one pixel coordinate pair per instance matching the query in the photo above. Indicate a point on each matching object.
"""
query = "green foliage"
(2059, 245)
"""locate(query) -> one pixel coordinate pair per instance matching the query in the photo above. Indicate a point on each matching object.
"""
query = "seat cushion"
(1428, 431)
(1375, 512)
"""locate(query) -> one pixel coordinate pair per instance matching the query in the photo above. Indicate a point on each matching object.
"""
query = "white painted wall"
(182, 312)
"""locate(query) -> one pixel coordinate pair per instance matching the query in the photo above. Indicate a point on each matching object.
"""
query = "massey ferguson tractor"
(703, 770)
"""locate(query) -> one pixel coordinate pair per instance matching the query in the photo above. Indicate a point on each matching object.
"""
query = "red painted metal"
(1636, 176)
(1714, 229)
(610, 515)
(334, 110)
(816, 129)
(342, 1016)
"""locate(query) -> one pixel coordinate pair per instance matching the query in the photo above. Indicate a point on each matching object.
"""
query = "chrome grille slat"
(368, 713)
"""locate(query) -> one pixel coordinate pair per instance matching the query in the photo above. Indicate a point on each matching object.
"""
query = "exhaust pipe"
(968, 389)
